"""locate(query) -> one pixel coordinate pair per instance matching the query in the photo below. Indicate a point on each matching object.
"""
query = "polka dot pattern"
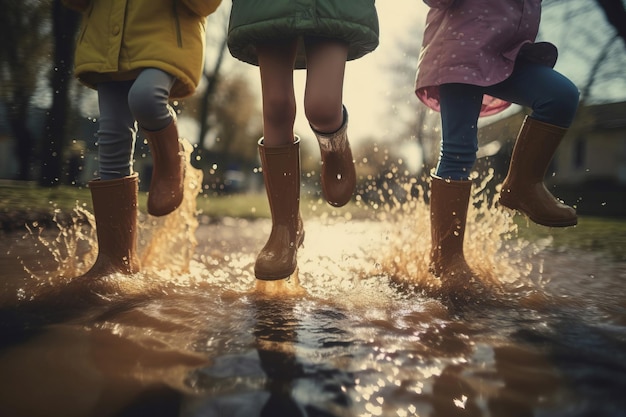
(473, 42)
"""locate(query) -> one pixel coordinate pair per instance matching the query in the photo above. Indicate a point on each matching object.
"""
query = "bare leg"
(323, 105)
(276, 61)
(323, 97)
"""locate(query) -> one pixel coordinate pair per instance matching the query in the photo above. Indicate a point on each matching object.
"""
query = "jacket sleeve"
(78, 5)
(440, 4)
(202, 7)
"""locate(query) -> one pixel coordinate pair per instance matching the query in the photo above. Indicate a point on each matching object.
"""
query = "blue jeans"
(552, 97)
(123, 105)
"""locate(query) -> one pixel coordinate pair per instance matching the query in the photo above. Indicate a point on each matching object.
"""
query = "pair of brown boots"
(115, 203)
(523, 189)
(281, 174)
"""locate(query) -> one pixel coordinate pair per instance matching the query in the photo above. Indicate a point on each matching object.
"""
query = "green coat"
(254, 21)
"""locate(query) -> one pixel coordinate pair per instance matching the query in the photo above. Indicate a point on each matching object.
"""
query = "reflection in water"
(356, 332)
(272, 369)
(275, 333)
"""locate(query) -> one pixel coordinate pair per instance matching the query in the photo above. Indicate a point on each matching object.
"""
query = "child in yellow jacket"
(138, 54)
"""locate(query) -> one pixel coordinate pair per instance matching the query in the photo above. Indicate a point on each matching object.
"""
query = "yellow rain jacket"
(119, 38)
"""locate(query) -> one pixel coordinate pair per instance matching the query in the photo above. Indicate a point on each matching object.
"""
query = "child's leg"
(276, 61)
(280, 159)
(116, 131)
(552, 97)
(450, 190)
(460, 107)
(326, 62)
(554, 100)
(148, 99)
(114, 194)
(323, 97)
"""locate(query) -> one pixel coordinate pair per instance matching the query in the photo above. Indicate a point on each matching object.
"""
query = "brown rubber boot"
(338, 172)
(523, 188)
(168, 170)
(115, 210)
(281, 173)
(448, 214)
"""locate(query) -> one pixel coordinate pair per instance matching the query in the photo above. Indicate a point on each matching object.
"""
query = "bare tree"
(239, 119)
(216, 44)
(589, 42)
(416, 121)
(612, 55)
(25, 33)
(615, 13)
(206, 98)
(594, 72)
(235, 121)
(64, 27)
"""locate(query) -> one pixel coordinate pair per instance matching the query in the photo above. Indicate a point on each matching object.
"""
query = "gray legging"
(123, 105)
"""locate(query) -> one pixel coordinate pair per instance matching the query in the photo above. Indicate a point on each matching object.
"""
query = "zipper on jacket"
(179, 35)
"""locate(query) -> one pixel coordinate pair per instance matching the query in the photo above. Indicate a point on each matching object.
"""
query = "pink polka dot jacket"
(477, 42)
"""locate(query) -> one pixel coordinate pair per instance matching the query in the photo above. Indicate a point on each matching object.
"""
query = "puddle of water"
(353, 333)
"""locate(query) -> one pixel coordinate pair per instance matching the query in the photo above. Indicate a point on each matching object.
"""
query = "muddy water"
(358, 331)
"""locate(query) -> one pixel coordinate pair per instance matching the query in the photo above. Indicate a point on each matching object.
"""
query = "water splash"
(289, 286)
(165, 247)
(361, 340)
(492, 247)
(350, 262)
(167, 243)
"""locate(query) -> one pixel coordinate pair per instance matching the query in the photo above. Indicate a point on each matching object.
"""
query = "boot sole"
(541, 222)
(274, 277)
